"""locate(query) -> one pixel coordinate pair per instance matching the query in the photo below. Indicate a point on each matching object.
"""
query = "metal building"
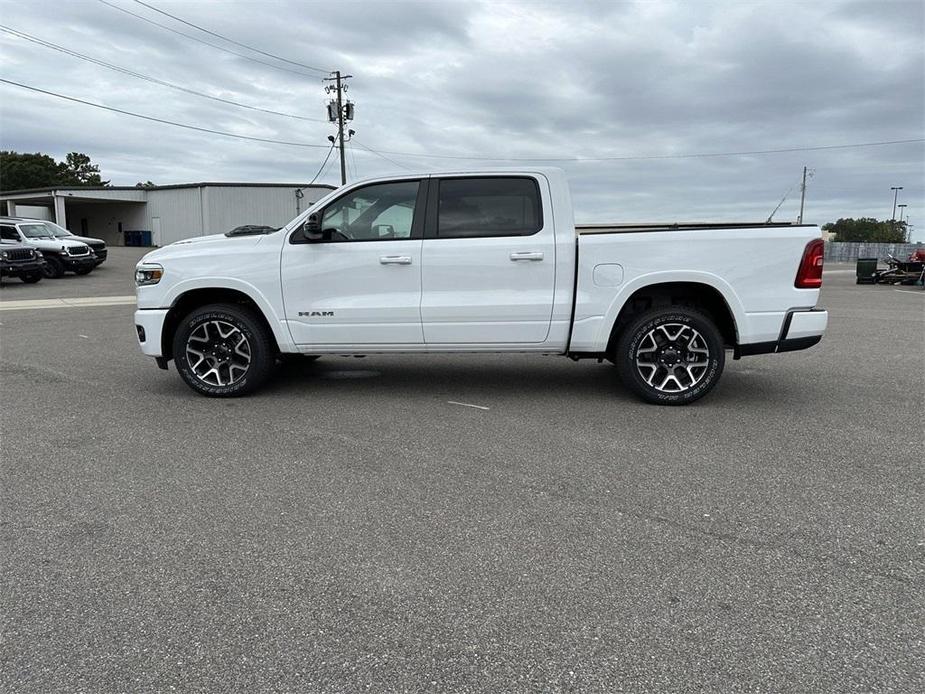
(167, 213)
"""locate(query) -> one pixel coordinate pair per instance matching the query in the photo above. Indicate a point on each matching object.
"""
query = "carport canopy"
(57, 199)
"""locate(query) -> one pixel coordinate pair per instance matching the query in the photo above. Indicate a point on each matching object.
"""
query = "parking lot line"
(76, 302)
(466, 404)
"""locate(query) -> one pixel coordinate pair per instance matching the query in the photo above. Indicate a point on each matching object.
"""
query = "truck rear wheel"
(223, 350)
(670, 356)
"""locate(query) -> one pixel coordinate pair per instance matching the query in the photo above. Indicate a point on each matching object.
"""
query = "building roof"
(173, 186)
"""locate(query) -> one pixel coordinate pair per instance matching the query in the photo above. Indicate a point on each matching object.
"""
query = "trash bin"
(866, 270)
(144, 238)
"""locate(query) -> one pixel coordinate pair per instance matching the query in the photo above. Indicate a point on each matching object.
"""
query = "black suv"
(22, 261)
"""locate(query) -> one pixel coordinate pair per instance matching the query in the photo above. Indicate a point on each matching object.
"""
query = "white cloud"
(503, 79)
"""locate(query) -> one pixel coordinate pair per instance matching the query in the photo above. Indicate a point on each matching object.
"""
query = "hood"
(89, 240)
(53, 243)
(200, 245)
(8, 244)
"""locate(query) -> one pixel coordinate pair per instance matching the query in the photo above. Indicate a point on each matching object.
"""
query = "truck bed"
(632, 228)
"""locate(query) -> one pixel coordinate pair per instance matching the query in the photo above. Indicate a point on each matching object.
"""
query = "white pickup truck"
(479, 261)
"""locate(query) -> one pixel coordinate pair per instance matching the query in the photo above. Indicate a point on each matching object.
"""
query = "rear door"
(360, 284)
(488, 265)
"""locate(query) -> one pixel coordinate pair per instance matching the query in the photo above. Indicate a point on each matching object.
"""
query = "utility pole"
(802, 196)
(338, 112)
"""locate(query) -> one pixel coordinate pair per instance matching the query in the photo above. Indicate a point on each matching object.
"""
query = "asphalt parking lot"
(349, 529)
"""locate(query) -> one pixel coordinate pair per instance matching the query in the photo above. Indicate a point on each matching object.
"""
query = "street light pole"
(895, 190)
(902, 208)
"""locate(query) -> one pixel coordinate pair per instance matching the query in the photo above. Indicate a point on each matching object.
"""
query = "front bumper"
(75, 262)
(101, 255)
(802, 329)
(149, 326)
(14, 269)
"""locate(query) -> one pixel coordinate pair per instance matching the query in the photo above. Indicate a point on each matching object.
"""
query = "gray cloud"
(590, 79)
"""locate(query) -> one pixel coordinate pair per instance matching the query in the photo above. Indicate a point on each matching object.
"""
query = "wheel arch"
(695, 292)
(191, 299)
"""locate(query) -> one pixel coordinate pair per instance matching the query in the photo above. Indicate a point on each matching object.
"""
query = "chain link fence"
(850, 251)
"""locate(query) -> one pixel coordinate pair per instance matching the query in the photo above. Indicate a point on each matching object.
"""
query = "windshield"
(55, 230)
(35, 231)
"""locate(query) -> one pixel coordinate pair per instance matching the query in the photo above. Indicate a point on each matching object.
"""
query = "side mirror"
(311, 229)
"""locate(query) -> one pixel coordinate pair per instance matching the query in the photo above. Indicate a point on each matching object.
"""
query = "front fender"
(178, 289)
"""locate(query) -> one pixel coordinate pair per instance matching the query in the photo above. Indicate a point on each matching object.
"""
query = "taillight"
(809, 276)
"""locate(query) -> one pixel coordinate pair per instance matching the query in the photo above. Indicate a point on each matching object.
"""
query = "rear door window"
(493, 206)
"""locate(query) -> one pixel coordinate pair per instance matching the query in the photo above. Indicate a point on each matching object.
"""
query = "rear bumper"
(802, 329)
(149, 325)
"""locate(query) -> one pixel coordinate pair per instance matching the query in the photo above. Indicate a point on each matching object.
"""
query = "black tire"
(54, 268)
(208, 322)
(84, 270)
(695, 358)
(32, 278)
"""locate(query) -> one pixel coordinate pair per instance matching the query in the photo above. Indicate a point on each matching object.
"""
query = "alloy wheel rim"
(672, 358)
(218, 353)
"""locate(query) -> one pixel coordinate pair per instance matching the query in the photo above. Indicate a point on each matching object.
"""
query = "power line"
(236, 43)
(325, 168)
(651, 156)
(203, 41)
(323, 165)
(161, 120)
(382, 156)
(147, 78)
(353, 161)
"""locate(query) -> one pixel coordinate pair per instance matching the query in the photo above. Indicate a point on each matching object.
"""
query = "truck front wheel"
(670, 356)
(223, 350)
(54, 268)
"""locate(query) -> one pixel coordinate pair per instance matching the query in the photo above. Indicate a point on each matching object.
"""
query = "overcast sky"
(494, 79)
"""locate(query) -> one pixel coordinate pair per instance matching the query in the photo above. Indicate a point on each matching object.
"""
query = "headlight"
(38, 254)
(149, 273)
(4, 255)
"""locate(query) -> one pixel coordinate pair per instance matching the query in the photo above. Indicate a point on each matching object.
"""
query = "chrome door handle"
(395, 259)
(527, 255)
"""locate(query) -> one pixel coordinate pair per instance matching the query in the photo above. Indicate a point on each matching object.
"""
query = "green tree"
(78, 170)
(23, 170)
(146, 185)
(867, 229)
(18, 171)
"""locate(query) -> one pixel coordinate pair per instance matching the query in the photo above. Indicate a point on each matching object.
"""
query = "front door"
(489, 262)
(361, 283)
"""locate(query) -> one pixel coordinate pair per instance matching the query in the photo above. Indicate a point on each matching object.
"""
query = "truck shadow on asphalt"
(531, 377)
